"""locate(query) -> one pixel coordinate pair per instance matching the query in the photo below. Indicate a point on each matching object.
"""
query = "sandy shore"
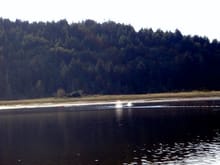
(159, 102)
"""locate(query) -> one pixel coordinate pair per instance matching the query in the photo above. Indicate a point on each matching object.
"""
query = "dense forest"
(41, 59)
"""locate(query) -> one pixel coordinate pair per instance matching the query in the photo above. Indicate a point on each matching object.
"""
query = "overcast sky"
(192, 17)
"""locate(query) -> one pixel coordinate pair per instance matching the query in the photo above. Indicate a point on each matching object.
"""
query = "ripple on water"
(193, 153)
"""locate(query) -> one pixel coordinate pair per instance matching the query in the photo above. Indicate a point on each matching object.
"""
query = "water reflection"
(121, 136)
(199, 151)
(118, 113)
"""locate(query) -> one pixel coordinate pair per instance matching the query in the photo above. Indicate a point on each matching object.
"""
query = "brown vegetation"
(98, 98)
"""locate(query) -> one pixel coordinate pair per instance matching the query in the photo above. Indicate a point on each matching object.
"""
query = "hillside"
(39, 59)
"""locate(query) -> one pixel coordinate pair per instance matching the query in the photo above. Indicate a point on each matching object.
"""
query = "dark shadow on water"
(107, 136)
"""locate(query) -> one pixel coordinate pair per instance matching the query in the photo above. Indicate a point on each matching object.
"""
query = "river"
(111, 136)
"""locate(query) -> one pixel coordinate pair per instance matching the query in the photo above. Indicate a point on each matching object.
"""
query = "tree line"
(40, 58)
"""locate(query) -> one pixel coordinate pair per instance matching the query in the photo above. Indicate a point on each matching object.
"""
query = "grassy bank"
(95, 98)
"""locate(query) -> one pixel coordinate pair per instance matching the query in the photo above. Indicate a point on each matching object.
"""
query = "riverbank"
(195, 98)
(107, 98)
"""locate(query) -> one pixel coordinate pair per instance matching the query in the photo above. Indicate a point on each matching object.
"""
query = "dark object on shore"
(75, 94)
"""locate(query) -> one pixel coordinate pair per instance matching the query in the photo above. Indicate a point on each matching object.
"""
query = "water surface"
(111, 136)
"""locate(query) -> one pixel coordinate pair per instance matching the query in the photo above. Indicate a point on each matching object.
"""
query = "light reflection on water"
(194, 153)
(111, 137)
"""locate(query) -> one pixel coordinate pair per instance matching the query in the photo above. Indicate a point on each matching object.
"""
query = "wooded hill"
(38, 59)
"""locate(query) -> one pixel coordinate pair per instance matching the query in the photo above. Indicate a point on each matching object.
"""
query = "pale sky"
(194, 17)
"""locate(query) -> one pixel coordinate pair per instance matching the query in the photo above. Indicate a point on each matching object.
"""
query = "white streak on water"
(117, 104)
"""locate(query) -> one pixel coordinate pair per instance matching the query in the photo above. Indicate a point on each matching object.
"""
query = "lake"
(111, 136)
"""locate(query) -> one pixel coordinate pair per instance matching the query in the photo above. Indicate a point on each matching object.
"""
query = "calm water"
(110, 137)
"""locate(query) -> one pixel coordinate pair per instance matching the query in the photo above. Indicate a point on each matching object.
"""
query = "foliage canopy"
(37, 59)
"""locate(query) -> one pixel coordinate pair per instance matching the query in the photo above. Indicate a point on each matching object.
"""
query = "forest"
(41, 59)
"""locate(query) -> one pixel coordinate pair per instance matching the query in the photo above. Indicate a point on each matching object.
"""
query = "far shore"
(150, 99)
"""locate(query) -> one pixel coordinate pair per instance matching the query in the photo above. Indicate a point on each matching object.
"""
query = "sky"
(191, 17)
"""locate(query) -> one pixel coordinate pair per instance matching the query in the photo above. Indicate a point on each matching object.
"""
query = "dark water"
(110, 137)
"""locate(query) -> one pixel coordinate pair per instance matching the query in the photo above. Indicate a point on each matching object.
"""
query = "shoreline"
(100, 98)
(160, 102)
